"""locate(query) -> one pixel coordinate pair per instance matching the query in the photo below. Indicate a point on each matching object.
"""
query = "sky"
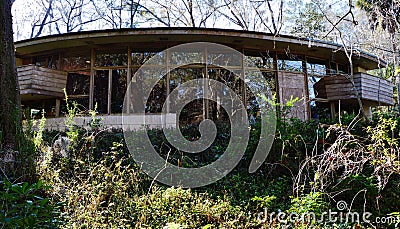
(25, 12)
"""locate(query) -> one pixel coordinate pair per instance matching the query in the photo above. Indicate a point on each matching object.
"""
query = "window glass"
(78, 83)
(73, 62)
(117, 57)
(224, 58)
(78, 86)
(259, 62)
(101, 91)
(332, 68)
(342, 69)
(316, 69)
(119, 78)
(50, 61)
(185, 57)
(139, 58)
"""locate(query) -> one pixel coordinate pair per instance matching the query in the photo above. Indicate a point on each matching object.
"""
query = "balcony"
(37, 83)
(371, 89)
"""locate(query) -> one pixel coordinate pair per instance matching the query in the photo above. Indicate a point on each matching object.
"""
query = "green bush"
(101, 186)
(23, 205)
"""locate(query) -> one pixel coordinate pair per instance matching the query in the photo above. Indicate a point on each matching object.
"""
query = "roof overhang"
(160, 38)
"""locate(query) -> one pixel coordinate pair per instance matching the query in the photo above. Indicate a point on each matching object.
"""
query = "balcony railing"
(371, 88)
(37, 82)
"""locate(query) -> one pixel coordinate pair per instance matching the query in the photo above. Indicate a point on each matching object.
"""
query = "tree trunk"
(10, 118)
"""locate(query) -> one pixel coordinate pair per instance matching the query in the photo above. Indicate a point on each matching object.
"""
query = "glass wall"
(109, 73)
(110, 77)
(316, 70)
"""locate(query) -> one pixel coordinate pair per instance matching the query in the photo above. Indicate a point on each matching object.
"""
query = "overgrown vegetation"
(88, 179)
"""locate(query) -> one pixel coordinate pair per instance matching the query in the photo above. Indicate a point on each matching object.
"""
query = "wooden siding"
(34, 80)
(371, 88)
(292, 85)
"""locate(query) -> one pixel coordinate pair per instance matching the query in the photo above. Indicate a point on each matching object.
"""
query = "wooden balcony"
(375, 90)
(40, 83)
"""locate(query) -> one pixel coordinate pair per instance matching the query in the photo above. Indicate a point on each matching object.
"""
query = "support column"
(127, 104)
(168, 81)
(109, 91)
(367, 111)
(92, 73)
(205, 88)
(333, 110)
(277, 87)
(242, 83)
(307, 93)
(57, 111)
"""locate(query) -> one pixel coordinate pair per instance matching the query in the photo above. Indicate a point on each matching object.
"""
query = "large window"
(101, 91)
(118, 90)
(48, 61)
(179, 76)
(109, 90)
(316, 70)
(114, 57)
(78, 87)
(110, 77)
(76, 61)
(290, 63)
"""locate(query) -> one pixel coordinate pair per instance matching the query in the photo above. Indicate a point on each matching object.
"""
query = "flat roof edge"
(194, 31)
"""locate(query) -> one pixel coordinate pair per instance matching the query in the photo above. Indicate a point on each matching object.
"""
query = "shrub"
(23, 205)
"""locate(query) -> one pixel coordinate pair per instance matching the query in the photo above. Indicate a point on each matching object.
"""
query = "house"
(95, 68)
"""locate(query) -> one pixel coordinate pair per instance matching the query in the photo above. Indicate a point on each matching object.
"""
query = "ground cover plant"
(88, 179)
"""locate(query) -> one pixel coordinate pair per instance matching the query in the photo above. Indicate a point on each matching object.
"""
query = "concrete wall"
(128, 122)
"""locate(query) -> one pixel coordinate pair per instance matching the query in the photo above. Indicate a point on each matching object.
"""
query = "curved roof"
(153, 38)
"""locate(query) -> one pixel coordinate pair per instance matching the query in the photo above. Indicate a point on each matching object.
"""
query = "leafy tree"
(309, 21)
(385, 14)
(382, 13)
